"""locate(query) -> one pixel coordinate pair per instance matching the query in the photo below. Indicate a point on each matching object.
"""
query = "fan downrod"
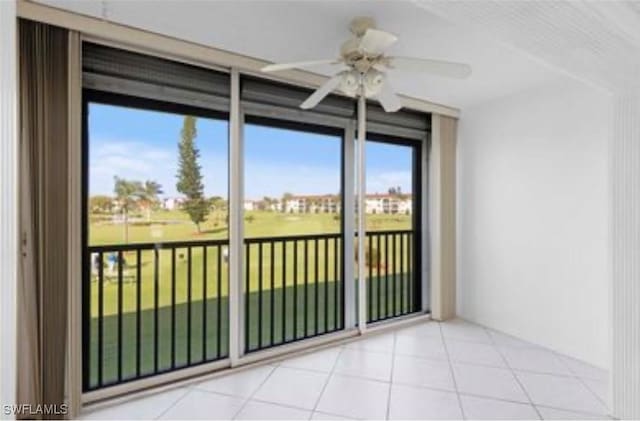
(360, 24)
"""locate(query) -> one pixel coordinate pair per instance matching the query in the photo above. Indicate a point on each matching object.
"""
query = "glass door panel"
(392, 207)
(293, 234)
(156, 238)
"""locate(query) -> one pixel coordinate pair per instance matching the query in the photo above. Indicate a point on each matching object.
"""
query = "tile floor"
(452, 370)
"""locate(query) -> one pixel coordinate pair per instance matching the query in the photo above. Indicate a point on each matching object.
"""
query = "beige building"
(312, 204)
(388, 204)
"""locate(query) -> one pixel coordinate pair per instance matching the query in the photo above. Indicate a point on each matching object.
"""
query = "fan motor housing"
(355, 58)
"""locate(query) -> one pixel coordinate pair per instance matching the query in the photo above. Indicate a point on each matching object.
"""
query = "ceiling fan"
(366, 64)
(364, 77)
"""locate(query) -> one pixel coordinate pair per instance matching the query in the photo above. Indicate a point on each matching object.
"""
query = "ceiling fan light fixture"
(372, 82)
(364, 55)
(350, 83)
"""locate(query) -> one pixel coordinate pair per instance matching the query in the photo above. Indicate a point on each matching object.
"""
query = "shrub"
(372, 259)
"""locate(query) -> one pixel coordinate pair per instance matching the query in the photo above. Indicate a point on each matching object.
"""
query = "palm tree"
(397, 193)
(127, 193)
(268, 202)
(149, 196)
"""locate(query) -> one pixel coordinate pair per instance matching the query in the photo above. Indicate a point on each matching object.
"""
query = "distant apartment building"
(388, 204)
(375, 204)
(255, 205)
(312, 204)
(274, 206)
(295, 204)
(250, 205)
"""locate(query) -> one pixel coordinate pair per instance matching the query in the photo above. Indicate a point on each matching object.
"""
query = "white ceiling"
(303, 30)
(596, 41)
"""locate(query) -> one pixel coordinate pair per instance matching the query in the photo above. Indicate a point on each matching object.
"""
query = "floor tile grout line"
(571, 374)
(453, 376)
(498, 347)
(436, 389)
(494, 398)
(338, 416)
(533, 346)
(358, 377)
(225, 394)
(393, 363)
(252, 394)
(186, 392)
(310, 370)
(499, 367)
(513, 373)
(542, 373)
(326, 383)
(575, 411)
(421, 386)
(582, 381)
(527, 402)
(590, 389)
(281, 405)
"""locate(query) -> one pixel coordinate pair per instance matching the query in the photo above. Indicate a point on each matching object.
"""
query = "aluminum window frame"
(92, 96)
(235, 110)
(341, 132)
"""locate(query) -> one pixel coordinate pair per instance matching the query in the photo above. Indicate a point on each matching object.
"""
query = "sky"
(143, 145)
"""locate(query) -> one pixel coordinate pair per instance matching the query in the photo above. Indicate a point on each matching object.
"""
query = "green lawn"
(175, 226)
(277, 278)
(216, 340)
(264, 224)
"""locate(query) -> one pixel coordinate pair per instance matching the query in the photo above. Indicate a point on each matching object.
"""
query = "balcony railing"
(157, 307)
(393, 289)
(295, 288)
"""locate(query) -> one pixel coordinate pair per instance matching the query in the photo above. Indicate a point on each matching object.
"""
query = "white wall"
(533, 217)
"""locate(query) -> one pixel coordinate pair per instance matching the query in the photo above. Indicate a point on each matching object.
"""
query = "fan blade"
(375, 41)
(298, 65)
(322, 91)
(435, 67)
(388, 98)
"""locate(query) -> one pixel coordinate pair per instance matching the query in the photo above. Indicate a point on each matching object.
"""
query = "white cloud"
(131, 160)
(137, 160)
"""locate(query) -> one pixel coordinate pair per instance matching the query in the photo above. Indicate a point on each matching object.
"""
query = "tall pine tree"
(189, 176)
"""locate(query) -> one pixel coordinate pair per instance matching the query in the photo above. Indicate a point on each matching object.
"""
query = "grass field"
(278, 273)
(212, 344)
(263, 224)
(175, 226)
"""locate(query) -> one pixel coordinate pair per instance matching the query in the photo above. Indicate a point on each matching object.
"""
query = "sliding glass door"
(156, 238)
(392, 243)
(293, 233)
(170, 281)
